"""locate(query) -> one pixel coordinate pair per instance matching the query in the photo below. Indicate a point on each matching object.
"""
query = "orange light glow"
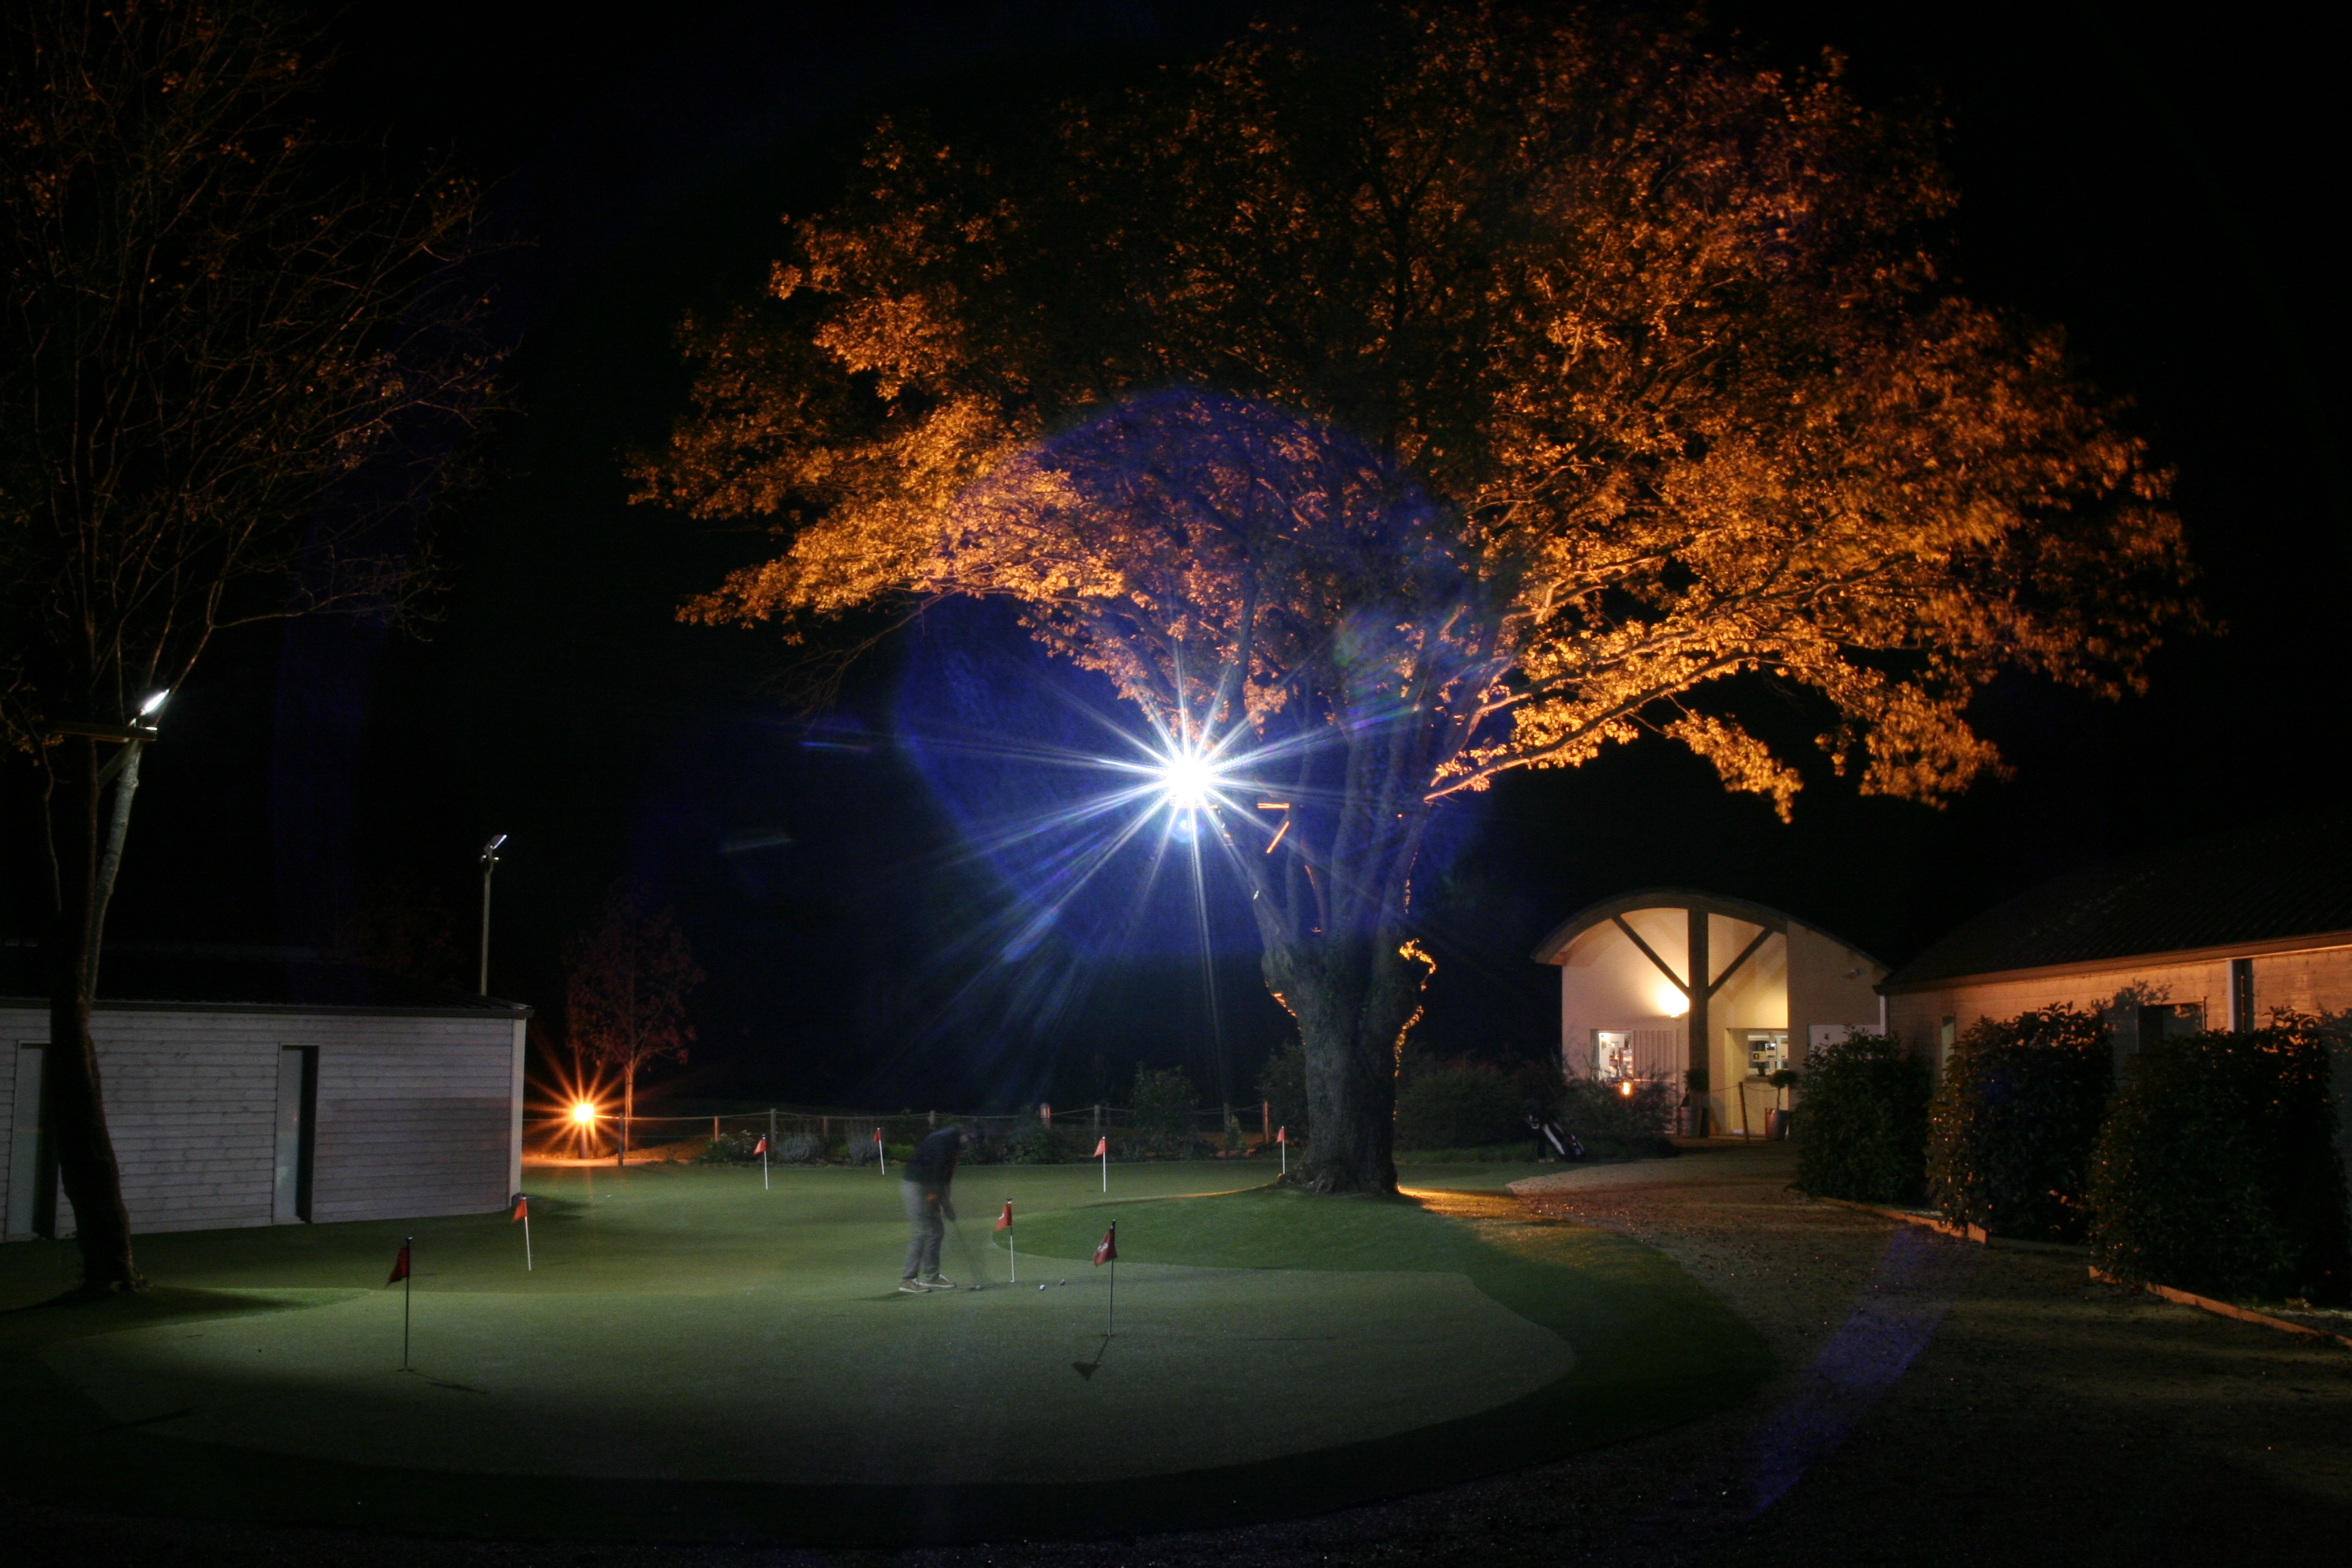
(1625, 1089)
(584, 1114)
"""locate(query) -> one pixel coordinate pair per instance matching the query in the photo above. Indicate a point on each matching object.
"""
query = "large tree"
(220, 337)
(1465, 395)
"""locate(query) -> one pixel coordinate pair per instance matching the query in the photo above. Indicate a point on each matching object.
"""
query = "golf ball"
(1041, 1287)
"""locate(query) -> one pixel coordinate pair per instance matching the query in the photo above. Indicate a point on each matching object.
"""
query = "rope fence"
(804, 1135)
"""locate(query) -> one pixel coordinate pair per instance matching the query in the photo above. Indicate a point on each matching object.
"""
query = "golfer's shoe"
(939, 1282)
(914, 1288)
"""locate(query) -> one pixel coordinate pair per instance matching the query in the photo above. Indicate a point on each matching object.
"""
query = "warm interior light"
(584, 1114)
(1188, 778)
(1670, 1001)
(1625, 1089)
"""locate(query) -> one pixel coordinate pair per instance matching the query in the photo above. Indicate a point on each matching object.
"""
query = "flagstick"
(881, 1150)
(1105, 1149)
(763, 1167)
(407, 1290)
(526, 1241)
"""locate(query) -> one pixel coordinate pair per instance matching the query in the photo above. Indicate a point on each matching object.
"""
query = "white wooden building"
(248, 1087)
(2211, 935)
(1661, 983)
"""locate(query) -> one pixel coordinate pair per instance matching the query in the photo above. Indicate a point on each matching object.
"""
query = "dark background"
(2156, 181)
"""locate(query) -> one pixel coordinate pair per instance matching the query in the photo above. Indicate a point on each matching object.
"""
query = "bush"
(1032, 1142)
(1282, 1084)
(2216, 1172)
(1617, 1123)
(729, 1149)
(1862, 1136)
(1460, 1107)
(797, 1148)
(1164, 1101)
(2012, 1125)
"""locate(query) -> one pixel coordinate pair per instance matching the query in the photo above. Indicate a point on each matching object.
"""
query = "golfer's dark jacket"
(934, 1162)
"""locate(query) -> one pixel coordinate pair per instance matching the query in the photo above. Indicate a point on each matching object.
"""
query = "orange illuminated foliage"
(1545, 383)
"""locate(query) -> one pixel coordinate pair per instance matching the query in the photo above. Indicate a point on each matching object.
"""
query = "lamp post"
(489, 864)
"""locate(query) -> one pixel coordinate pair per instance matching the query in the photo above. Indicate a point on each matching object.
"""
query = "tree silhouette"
(627, 979)
(219, 337)
(1471, 398)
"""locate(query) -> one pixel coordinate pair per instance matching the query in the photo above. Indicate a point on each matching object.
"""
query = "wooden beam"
(1647, 951)
(1732, 968)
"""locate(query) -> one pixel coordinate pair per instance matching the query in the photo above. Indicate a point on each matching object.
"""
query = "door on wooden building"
(32, 1174)
(298, 1120)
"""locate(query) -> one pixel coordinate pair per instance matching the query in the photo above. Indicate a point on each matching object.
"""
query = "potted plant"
(1695, 1103)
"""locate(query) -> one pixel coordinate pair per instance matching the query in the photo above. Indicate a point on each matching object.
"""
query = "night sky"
(2159, 187)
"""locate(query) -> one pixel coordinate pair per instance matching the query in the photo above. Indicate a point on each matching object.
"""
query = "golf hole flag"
(522, 1213)
(1105, 1250)
(1004, 1224)
(761, 1146)
(399, 1268)
(881, 1153)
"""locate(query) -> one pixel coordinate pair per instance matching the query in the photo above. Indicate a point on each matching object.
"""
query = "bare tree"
(228, 351)
(627, 979)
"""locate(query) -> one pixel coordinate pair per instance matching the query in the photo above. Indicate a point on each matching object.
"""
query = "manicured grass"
(694, 1357)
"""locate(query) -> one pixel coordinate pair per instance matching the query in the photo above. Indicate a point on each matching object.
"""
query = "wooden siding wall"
(415, 1115)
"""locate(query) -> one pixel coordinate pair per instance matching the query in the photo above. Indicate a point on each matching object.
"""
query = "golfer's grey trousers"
(926, 1224)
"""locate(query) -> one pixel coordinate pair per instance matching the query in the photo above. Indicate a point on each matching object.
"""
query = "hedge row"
(2211, 1167)
(2011, 1129)
(2216, 1169)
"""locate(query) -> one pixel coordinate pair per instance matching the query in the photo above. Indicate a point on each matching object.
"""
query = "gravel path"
(1939, 1403)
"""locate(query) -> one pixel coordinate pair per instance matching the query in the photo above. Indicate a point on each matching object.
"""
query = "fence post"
(772, 1127)
(1265, 1119)
(935, 1121)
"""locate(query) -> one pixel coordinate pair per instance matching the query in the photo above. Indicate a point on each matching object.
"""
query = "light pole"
(489, 864)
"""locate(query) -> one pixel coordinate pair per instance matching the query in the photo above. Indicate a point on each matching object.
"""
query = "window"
(1768, 1051)
(2164, 1020)
(1612, 1055)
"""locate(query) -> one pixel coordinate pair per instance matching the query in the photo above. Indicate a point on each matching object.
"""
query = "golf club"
(971, 1254)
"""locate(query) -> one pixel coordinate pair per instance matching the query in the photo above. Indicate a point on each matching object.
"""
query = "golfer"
(930, 1176)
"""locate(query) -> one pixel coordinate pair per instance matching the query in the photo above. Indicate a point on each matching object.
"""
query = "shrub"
(1864, 1133)
(2216, 1171)
(1614, 1123)
(729, 1149)
(1461, 1106)
(1164, 1101)
(1282, 1084)
(797, 1148)
(2012, 1125)
(1032, 1142)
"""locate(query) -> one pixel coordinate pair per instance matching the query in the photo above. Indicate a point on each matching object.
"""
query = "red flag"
(523, 1209)
(1102, 1150)
(761, 1146)
(399, 1268)
(1282, 1134)
(878, 1135)
(1004, 1220)
(1106, 1249)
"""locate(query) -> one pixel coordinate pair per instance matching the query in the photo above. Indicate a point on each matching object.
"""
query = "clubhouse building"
(1673, 986)
(251, 1087)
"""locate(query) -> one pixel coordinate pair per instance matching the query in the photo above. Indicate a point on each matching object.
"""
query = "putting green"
(694, 1357)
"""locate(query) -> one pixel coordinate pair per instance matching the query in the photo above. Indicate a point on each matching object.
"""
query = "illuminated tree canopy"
(1469, 399)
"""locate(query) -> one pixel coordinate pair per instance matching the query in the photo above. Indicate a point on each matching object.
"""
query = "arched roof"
(1549, 950)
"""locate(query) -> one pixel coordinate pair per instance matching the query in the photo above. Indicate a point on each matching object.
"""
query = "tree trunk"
(73, 1109)
(1353, 998)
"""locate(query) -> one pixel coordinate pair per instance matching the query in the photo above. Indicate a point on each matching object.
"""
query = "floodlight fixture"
(584, 1114)
(1188, 780)
(155, 703)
